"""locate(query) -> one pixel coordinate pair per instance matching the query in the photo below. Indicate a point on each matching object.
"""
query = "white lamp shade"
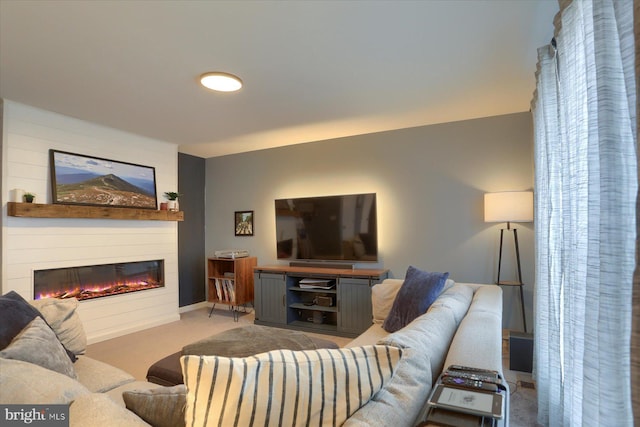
(508, 206)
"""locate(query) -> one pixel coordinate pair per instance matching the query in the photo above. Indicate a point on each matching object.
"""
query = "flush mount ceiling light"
(221, 82)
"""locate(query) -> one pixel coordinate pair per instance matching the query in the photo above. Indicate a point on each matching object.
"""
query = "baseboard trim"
(159, 321)
(192, 307)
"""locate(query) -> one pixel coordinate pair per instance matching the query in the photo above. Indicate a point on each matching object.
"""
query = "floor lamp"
(510, 206)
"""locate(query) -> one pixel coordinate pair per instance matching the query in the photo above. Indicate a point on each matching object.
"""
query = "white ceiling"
(313, 70)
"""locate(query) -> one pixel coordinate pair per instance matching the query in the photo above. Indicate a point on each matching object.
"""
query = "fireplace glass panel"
(94, 281)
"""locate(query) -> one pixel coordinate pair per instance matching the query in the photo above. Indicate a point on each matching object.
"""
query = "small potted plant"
(28, 197)
(172, 197)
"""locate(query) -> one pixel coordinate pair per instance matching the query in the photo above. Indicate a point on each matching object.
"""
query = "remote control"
(470, 376)
(467, 383)
(470, 369)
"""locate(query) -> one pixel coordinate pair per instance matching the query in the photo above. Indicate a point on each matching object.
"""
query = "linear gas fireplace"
(95, 281)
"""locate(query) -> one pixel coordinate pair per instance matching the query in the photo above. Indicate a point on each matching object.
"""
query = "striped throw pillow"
(285, 387)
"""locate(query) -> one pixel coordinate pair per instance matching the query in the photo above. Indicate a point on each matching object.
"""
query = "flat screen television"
(327, 228)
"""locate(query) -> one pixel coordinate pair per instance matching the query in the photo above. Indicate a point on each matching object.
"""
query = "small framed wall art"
(243, 221)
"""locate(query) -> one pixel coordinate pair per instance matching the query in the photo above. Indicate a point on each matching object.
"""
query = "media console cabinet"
(344, 309)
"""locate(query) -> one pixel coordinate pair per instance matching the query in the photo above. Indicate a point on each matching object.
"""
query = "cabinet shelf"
(314, 290)
(315, 307)
(225, 290)
(299, 324)
(42, 210)
(235, 273)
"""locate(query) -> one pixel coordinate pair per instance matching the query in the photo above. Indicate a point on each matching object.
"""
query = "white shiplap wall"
(34, 243)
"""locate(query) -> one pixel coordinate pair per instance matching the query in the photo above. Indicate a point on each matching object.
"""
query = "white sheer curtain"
(586, 181)
(635, 328)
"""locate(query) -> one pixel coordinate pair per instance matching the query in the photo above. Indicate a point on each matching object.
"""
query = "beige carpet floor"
(135, 352)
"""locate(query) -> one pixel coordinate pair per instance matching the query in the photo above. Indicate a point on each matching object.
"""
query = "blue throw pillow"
(419, 290)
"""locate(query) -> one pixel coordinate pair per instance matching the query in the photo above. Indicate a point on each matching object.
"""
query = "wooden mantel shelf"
(38, 210)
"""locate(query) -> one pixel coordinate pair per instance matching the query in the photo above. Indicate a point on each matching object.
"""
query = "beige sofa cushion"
(98, 376)
(25, 383)
(62, 315)
(369, 337)
(98, 410)
(382, 297)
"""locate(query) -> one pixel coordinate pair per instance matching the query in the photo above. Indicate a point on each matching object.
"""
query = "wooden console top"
(340, 272)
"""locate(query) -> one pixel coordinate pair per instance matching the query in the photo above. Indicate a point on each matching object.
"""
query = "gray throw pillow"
(62, 315)
(39, 345)
(160, 407)
(16, 314)
(419, 290)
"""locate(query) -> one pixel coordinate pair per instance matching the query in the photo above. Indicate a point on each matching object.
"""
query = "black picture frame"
(243, 223)
(78, 179)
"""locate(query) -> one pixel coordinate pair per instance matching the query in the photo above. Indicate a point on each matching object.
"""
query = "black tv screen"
(327, 228)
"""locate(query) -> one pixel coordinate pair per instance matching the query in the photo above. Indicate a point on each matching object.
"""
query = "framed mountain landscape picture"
(77, 179)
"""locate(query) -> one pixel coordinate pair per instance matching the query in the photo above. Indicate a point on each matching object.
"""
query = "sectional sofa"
(462, 327)
(380, 378)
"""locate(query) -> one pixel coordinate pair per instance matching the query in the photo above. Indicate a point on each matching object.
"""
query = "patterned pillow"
(285, 387)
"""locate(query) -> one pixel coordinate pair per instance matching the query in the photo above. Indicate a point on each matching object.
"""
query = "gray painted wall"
(191, 252)
(429, 181)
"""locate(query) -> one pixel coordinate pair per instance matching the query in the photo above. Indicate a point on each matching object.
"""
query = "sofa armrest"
(478, 340)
